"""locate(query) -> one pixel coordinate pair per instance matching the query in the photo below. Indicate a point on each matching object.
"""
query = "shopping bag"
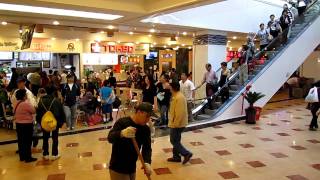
(312, 95)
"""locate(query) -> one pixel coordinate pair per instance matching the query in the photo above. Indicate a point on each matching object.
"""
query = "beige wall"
(311, 67)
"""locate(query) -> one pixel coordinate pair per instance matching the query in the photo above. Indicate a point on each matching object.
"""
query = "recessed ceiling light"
(165, 46)
(55, 23)
(151, 45)
(154, 43)
(57, 12)
(77, 39)
(110, 27)
(234, 37)
(4, 23)
(137, 42)
(152, 30)
(183, 45)
(190, 47)
(130, 33)
(230, 48)
(53, 38)
(102, 32)
(118, 42)
(184, 33)
(150, 35)
(229, 41)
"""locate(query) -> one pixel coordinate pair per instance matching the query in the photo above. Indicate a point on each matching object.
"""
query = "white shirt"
(187, 89)
(63, 78)
(70, 86)
(30, 98)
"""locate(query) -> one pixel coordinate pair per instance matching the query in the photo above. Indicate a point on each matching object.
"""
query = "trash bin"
(258, 112)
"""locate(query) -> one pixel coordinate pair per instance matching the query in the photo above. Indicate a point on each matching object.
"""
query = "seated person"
(88, 104)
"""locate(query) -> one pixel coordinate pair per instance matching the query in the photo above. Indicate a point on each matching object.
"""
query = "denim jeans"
(70, 112)
(175, 139)
(164, 115)
(46, 136)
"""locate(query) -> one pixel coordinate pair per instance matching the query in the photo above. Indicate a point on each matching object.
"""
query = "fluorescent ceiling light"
(55, 11)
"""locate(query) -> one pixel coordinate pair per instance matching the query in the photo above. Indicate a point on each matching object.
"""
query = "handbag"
(312, 95)
(270, 37)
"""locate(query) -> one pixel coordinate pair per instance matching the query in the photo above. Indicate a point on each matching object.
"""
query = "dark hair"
(105, 83)
(272, 15)
(261, 24)
(50, 89)
(42, 91)
(208, 64)
(55, 73)
(111, 74)
(150, 79)
(224, 64)
(166, 77)
(175, 86)
(173, 69)
(50, 71)
(69, 76)
(20, 94)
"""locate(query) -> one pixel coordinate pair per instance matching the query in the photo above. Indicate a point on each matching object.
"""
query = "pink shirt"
(24, 112)
(210, 77)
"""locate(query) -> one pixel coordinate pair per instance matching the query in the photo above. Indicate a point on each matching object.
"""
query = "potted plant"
(251, 98)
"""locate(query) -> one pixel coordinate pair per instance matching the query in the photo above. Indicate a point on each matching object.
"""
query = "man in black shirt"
(124, 156)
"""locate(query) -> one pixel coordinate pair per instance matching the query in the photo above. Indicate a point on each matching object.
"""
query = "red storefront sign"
(102, 48)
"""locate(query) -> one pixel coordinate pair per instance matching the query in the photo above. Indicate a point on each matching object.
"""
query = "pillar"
(210, 48)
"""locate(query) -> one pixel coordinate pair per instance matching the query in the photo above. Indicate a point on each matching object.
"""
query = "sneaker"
(30, 160)
(46, 158)
(174, 160)
(55, 157)
(187, 158)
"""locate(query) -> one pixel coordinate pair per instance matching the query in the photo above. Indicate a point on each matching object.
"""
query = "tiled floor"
(285, 151)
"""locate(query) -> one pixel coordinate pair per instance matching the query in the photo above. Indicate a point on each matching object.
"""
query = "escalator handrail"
(267, 65)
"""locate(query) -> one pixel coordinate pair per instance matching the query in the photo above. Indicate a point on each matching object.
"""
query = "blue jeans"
(164, 115)
(70, 112)
(175, 139)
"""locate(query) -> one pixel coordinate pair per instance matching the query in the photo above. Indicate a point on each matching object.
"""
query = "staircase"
(269, 76)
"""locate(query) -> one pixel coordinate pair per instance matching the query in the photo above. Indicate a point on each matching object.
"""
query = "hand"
(147, 169)
(129, 132)
(318, 113)
(155, 108)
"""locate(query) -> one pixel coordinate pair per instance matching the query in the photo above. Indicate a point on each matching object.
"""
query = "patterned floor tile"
(85, 154)
(219, 137)
(197, 131)
(217, 127)
(296, 177)
(316, 166)
(246, 145)
(162, 171)
(228, 175)
(283, 134)
(266, 139)
(36, 150)
(279, 155)
(99, 166)
(256, 164)
(286, 121)
(235, 122)
(223, 152)
(257, 128)
(43, 163)
(196, 161)
(314, 141)
(103, 139)
(298, 147)
(167, 150)
(273, 124)
(196, 143)
(240, 132)
(56, 177)
(297, 129)
(298, 118)
(72, 145)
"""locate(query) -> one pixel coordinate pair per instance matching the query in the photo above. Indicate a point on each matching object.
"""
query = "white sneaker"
(46, 158)
(55, 157)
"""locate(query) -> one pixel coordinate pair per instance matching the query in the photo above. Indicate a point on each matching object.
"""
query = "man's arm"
(146, 147)
(115, 133)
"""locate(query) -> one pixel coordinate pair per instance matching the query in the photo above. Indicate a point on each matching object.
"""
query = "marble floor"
(278, 147)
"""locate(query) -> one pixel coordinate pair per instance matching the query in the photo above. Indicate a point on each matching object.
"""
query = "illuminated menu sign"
(102, 48)
(100, 59)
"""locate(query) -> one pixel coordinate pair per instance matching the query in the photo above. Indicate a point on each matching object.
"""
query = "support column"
(207, 48)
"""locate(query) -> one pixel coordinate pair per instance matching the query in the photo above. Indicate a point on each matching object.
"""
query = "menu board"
(99, 59)
(34, 56)
(6, 55)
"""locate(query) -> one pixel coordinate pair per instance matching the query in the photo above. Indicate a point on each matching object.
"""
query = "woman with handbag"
(23, 115)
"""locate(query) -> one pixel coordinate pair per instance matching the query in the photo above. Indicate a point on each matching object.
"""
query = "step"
(231, 92)
(210, 112)
(202, 117)
(234, 87)
(251, 77)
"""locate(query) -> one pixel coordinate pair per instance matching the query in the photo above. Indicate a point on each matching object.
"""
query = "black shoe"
(17, 151)
(21, 159)
(312, 129)
(187, 158)
(30, 160)
(174, 160)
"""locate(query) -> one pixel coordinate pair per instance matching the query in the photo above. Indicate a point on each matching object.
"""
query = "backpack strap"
(45, 106)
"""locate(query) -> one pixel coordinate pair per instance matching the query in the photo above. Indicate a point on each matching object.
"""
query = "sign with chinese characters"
(102, 48)
(100, 59)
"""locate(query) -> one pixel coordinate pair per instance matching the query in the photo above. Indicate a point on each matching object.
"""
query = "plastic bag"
(312, 95)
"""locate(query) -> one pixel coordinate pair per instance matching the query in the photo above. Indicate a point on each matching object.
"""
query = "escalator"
(269, 76)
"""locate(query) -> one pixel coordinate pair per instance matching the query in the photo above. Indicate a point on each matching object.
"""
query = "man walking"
(188, 90)
(124, 156)
(177, 122)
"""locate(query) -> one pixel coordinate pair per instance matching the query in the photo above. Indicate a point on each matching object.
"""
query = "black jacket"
(56, 109)
(70, 95)
(124, 156)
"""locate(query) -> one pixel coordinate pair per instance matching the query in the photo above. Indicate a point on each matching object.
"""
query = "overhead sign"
(99, 59)
(102, 48)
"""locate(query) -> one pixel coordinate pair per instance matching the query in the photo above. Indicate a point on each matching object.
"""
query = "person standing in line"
(13, 81)
(63, 81)
(106, 101)
(188, 90)
(211, 80)
(163, 95)
(149, 92)
(225, 74)
(314, 108)
(112, 80)
(124, 156)
(70, 94)
(21, 84)
(50, 103)
(263, 36)
(23, 115)
(178, 120)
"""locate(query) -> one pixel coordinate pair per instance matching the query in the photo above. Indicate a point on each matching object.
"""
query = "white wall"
(311, 67)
